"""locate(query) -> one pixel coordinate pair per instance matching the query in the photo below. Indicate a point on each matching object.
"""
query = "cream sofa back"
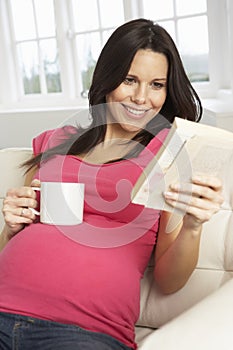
(215, 265)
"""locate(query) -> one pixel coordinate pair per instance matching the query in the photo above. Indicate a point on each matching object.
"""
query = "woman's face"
(139, 97)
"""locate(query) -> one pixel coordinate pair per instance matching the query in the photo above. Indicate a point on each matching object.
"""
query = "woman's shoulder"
(51, 138)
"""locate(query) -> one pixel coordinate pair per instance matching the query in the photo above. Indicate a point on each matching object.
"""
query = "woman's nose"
(139, 96)
(139, 100)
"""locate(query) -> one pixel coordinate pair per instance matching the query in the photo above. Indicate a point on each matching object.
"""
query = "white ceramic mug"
(61, 203)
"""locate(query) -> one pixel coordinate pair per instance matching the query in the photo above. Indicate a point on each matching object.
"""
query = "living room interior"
(46, 68)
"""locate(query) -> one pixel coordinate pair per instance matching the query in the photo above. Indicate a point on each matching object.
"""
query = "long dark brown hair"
(111, 69)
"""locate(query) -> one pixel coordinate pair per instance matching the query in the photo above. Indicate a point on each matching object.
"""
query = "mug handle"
(36, 212)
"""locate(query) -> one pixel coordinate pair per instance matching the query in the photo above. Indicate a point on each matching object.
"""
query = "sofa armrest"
(205, 326)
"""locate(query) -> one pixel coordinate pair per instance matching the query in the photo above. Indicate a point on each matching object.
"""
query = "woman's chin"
(130, 128)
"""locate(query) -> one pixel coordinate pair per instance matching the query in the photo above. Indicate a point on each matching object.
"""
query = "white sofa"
(200, 315)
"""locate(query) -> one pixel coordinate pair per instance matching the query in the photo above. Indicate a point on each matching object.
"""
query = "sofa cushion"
(214, 268)
(158, 309)
(205, 326)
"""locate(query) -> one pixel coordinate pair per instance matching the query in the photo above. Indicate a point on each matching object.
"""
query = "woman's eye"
(129, 80)
(157, 85)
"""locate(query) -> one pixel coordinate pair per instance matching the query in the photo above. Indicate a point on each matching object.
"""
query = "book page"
(204, 149)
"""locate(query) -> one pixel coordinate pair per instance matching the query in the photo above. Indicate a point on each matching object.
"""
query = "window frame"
(218, 11)
(220, 45)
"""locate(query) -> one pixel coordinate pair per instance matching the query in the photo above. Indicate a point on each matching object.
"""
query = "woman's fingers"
(20, 197)
(208, 181)
(35, 183)
(191, 193)
(21, 192)
(201, 198)
(16, 207)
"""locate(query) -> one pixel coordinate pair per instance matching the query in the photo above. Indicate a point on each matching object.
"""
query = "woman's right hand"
(16, 209)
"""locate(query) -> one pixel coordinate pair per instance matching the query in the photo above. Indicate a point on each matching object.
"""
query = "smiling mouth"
(135, 111)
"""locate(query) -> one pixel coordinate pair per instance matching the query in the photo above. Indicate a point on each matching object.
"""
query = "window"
(49, 48)
(90, 30)
(36, 46)
(56, 44)
(187, 23)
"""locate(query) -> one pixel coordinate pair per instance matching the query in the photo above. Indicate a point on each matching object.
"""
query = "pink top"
(89, 274)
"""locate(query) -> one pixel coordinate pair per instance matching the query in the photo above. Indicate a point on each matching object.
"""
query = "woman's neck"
(108, 151)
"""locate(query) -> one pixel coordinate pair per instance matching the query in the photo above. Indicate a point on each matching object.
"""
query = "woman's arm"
(15, 204)
(178, 241)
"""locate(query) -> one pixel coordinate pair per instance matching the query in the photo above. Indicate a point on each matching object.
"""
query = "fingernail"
(168, 194)
(175, 187)
(197, 178)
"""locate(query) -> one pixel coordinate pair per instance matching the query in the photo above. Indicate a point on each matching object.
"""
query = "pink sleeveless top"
(88, 275)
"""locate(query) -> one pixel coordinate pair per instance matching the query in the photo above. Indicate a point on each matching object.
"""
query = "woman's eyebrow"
(163, 79)
(135, 76)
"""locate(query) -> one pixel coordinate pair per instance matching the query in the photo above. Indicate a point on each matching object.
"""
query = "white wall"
(220, 110)
(18, 128)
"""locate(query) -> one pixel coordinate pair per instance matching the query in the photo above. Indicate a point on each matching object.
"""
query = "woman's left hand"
(198, 200)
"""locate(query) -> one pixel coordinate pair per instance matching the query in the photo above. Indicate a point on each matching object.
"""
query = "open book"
(188, 149)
